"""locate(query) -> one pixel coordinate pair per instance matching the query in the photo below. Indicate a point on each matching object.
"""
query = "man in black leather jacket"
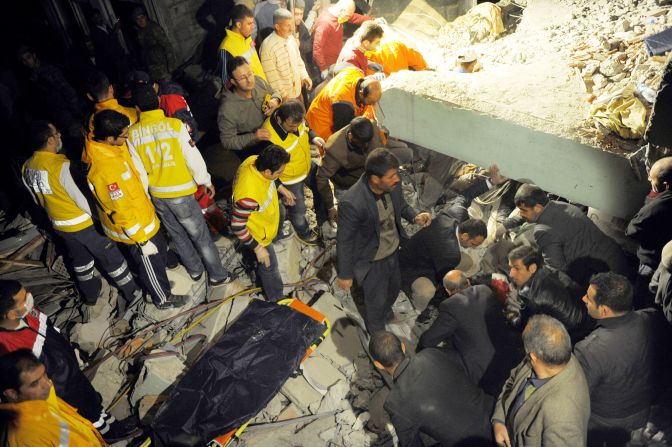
(540, 291)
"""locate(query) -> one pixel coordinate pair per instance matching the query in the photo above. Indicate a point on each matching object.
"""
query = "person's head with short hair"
(609, 295)
(290, 114)
(111, 127)
(23, 377)
(145, 97)
(370, 91)
(369, 35)
(28, 57)
(360, 133)
(660, 175)
(98, 87)
(242, 20)
(97, 18)
(547, 345)
(299, 10)
(386, 350)
(381, 169)
(343, 10)
(271, 161)
(455, 281)
(241, 75)
(139, 16)
(471, 233)
(15, 301)
(530, 200)
(44, 136)
(524, 262)
(283, 22)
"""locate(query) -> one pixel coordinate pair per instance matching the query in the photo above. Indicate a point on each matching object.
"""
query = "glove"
(378, 76)
(149, 249)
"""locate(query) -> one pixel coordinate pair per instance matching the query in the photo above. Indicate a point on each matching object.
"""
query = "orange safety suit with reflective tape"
(396, 56)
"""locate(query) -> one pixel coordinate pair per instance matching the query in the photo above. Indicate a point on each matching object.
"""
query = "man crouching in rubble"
(369, 232)
(23, 328)
(32, 414)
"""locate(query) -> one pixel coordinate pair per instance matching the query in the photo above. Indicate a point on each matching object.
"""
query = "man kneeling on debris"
(33, 415)
(256, 212)
(23, 328)
(431, 395)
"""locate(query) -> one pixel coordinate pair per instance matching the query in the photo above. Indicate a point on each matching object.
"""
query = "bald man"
(471, 322)
(652, 227)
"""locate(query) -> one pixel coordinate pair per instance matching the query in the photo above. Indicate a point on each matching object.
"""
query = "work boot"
(173, 301)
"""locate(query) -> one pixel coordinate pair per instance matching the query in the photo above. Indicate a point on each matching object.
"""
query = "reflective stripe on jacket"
(251, 184)
(155, 139)
(42, 174)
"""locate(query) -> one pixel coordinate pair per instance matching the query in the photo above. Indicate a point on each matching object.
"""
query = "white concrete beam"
(580, 173)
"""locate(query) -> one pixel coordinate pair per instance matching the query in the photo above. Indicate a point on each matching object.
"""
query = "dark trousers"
(85, 246)
(271, 280)
(381, 286)
(152, 269)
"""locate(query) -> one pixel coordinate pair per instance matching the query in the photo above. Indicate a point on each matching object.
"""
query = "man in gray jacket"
(569, 240)
(545, 402)
(244, 108)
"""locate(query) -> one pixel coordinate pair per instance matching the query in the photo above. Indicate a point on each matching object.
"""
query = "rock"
(611, 67)
(335, 397)
(622, 25)
(362, 419)
(618, 77)
(328, 435)
(346, 418)
(599, 81)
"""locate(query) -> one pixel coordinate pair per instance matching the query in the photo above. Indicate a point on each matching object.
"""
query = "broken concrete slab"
(157, 375)
(302, 394)
(109, 378)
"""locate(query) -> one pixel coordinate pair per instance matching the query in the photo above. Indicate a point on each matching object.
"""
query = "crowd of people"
(559, 341)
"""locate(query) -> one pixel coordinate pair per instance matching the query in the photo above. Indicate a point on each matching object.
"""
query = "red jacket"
(328, 37)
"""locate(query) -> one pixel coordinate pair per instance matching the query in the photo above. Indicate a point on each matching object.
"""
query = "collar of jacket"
(401, 368)
(230, 34)
(282, 133)
(111, 103)
(96, 150)
(616, 322)
(152, 114)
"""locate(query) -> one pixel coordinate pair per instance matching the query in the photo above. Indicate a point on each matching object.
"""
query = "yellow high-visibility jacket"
(299, 152)
(125, 210)
(250, 184)
(50, 422)
(235, 44)
(110, 104)
(173, 163)
(47, 177)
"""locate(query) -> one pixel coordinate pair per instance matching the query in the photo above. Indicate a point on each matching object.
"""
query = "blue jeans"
(184, 221)
(297, 213)
(271, 281)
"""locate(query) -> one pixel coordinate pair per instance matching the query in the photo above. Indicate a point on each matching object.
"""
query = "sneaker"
(173, 301)
(310, 239)
(221, 282)
(122, 430)
(196, 276)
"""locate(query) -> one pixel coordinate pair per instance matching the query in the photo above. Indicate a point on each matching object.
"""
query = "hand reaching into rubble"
(495, 175)
(262, 255)
(288, 196)
(423, 219)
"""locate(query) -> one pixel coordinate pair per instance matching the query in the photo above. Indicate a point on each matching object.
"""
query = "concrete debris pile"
(558, 70)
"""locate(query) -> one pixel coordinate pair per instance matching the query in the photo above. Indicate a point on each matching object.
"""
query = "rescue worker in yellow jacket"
(347, 95)
(175, 167)
(126, 212)
(256, 212)
(33, 414)
(47, 177)
(101, 92)
(289, 131)
(238, 42)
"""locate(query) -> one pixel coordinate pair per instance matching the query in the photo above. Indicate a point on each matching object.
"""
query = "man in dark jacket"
(433, 251)
(622, 359)
(652, 226)
(540, 291)
(569, 240)
(431, 395)
(472, 321)
(156, 51)
(369, 232)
